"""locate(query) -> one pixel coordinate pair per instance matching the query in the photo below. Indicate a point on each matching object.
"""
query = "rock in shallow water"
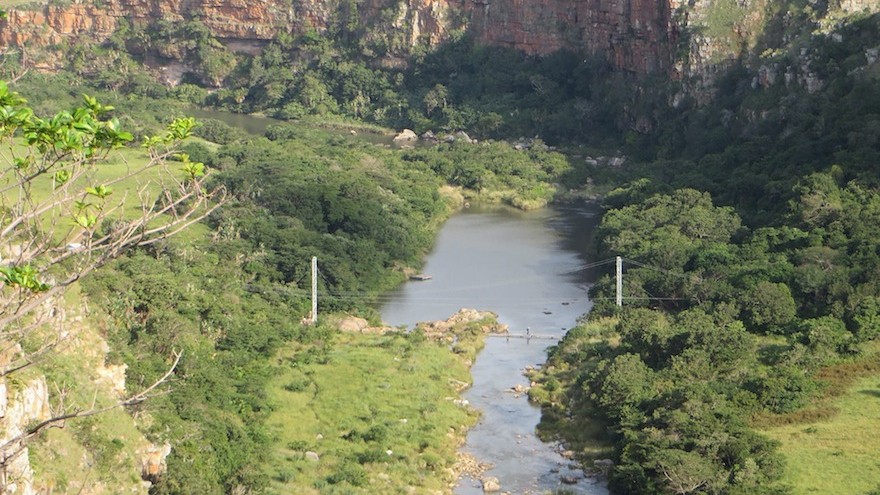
(491, 485)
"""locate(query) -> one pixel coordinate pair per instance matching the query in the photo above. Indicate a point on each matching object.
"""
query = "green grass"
(839, 455)
(556, 388)
(117, 164)
(130, 193)
(378, 410)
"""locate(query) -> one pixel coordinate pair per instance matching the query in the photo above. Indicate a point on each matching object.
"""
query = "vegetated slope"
(563, 70)
(747, 293)
(742, 306)
(232, 300)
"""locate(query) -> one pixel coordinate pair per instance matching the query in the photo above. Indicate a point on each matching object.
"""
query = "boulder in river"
(569, 479)
(491, 485)
(406, 136)
(519, 390)
(461, 321)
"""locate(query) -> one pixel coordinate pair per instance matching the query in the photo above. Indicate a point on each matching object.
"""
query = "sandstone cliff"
(636, 35)
(679, 38)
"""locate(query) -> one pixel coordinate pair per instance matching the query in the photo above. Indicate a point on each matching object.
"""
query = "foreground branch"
(14, 447)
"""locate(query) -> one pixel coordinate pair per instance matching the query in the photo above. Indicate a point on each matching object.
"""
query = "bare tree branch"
(13, 447)
(58, 224)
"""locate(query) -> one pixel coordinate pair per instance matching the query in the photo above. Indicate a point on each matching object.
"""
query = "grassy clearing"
(840, 454)
(829, 445)
(378, 410)
(119, 163)
(128, 196)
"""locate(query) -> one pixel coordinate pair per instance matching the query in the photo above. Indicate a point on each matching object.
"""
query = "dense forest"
(749, 222)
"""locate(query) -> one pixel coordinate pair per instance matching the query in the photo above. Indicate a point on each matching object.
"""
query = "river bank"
(377, 409)
(527, 267)
(519, 268)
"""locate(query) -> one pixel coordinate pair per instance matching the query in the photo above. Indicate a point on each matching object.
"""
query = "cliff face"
(635, 35)
(234, 19)
(690, 40)
(66, 457)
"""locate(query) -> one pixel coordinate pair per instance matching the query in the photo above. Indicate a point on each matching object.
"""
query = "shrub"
(348, 472)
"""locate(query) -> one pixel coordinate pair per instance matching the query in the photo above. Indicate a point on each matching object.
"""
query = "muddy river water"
(524, 266)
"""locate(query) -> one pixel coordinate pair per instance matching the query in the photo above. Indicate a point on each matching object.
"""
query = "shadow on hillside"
(872, 393)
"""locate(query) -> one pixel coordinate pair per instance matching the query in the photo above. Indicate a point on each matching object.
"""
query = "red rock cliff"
(236, 19)
(635, 35)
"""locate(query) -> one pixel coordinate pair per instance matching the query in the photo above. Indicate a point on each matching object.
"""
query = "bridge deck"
(524, 336)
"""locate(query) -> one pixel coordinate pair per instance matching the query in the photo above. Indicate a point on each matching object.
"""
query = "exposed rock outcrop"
(25, 395)
(353, 324)
(635, 35)
(465, 319)
(406, 136)
(21, 407)
(640, 36)
(232, 19)
(152, 460)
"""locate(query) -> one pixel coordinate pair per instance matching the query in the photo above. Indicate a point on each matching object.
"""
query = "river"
(258, 124)
(523, 266)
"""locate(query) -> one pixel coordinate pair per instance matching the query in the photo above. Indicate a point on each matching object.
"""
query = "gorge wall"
(688, 41)
(634, 35)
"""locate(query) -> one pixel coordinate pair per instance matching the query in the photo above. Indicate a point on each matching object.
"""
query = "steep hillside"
(634, 35)
(672, 37)
(744, 137)
(105, 453)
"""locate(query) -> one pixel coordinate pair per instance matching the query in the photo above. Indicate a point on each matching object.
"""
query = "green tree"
(60, 219)
(685, 472)
(622, 385)
(769, 306)
(436, 98)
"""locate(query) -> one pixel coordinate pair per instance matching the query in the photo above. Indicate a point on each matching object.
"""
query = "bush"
(349, 472)
(219, 132)
(786, 389)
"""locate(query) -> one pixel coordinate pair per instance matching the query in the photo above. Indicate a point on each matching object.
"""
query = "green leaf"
(100, 191)
(86, 220)
(22, 276)
(84, 126)
(61, 177)
(22, 163)
(194, 169)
